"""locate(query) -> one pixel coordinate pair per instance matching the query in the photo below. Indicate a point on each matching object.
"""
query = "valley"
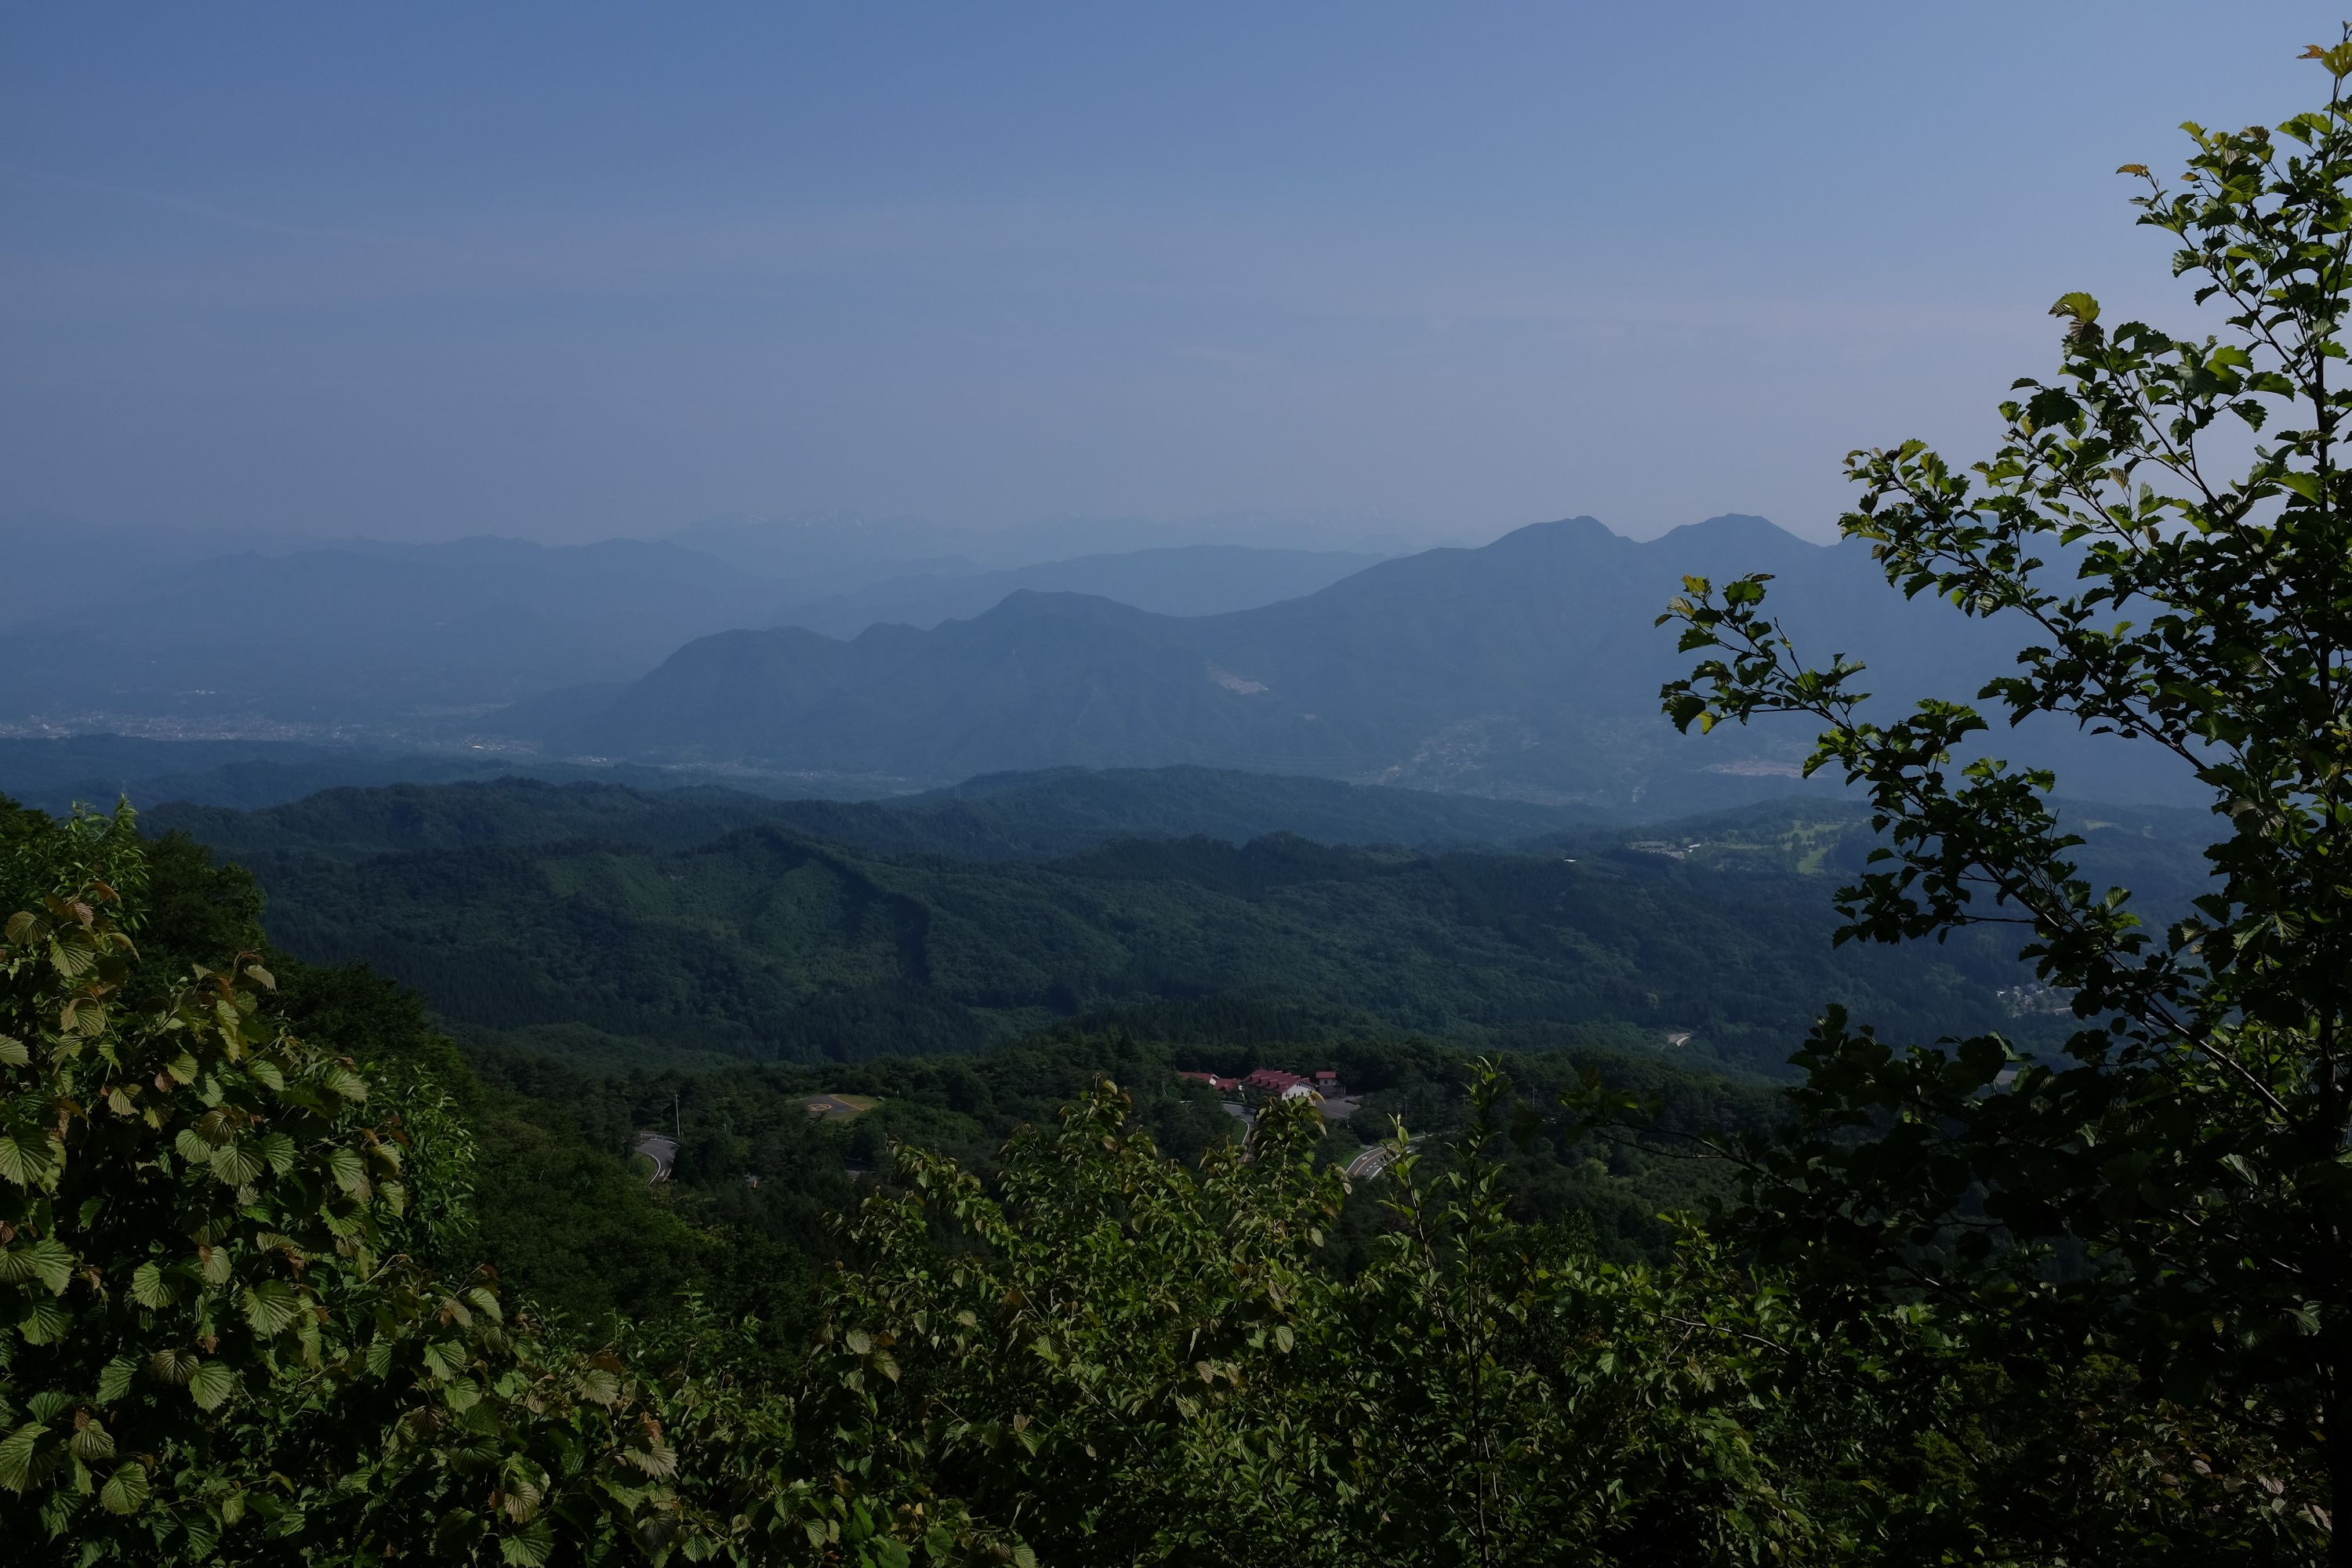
(632, 930)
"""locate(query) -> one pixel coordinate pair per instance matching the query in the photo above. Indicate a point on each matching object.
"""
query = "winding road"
(1377, 1159)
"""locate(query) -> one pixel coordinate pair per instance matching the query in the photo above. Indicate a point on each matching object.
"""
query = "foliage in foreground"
(223, 1344)
(2172, 1187)
(236, 1337)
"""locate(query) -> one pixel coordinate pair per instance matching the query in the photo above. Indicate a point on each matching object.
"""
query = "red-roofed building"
(1222, 1085)
(1276, 1082)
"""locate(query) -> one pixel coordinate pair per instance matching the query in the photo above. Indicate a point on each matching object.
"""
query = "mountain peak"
(1558, 531)
(1734, 528)
(1046, 603)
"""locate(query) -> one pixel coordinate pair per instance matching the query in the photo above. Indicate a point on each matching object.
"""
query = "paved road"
(1376, 1159)
(662, 1150)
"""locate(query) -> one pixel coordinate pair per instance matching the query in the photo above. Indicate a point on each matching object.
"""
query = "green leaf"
(91, 1442)
(213, 1382)
(49, 1258)
(114, 1378)
(238, 1164)
(350, 1170)
(72, 951)
(127, 1491)
(152, 1288)
(270, 1306)
(24, 1157)
(599, 1385)
(278, 1149)
(657, 1459)
(43, 1321)
(16, 1452)
(13, 1052)
(530, 1546)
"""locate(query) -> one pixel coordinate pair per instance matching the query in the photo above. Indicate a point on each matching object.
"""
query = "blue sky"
(571, 271)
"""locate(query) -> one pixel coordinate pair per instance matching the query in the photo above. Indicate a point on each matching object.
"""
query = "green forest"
(767, 945)
(1955, 1174)
(623, 928)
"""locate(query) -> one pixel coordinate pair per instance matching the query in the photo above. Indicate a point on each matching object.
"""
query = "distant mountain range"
(399, 639)
(808, 548)
(1527, 668)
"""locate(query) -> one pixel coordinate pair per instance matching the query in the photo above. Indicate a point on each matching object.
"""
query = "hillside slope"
(764, 942)
(1000, 816)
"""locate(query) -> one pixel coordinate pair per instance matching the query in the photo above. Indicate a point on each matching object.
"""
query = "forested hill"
(600, 925)
(1000, 816)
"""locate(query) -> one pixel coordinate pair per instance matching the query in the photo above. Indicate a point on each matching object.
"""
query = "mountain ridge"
(1528, 667)
(1178, 579)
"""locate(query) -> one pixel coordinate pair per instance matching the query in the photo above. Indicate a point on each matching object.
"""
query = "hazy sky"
(574, 270)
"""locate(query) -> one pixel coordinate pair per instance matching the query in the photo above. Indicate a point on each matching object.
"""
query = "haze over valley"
(1526, 667)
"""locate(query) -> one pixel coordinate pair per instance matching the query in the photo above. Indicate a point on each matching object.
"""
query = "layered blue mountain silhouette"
(1530, 666)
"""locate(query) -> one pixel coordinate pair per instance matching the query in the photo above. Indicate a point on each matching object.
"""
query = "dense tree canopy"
(244, 1328)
